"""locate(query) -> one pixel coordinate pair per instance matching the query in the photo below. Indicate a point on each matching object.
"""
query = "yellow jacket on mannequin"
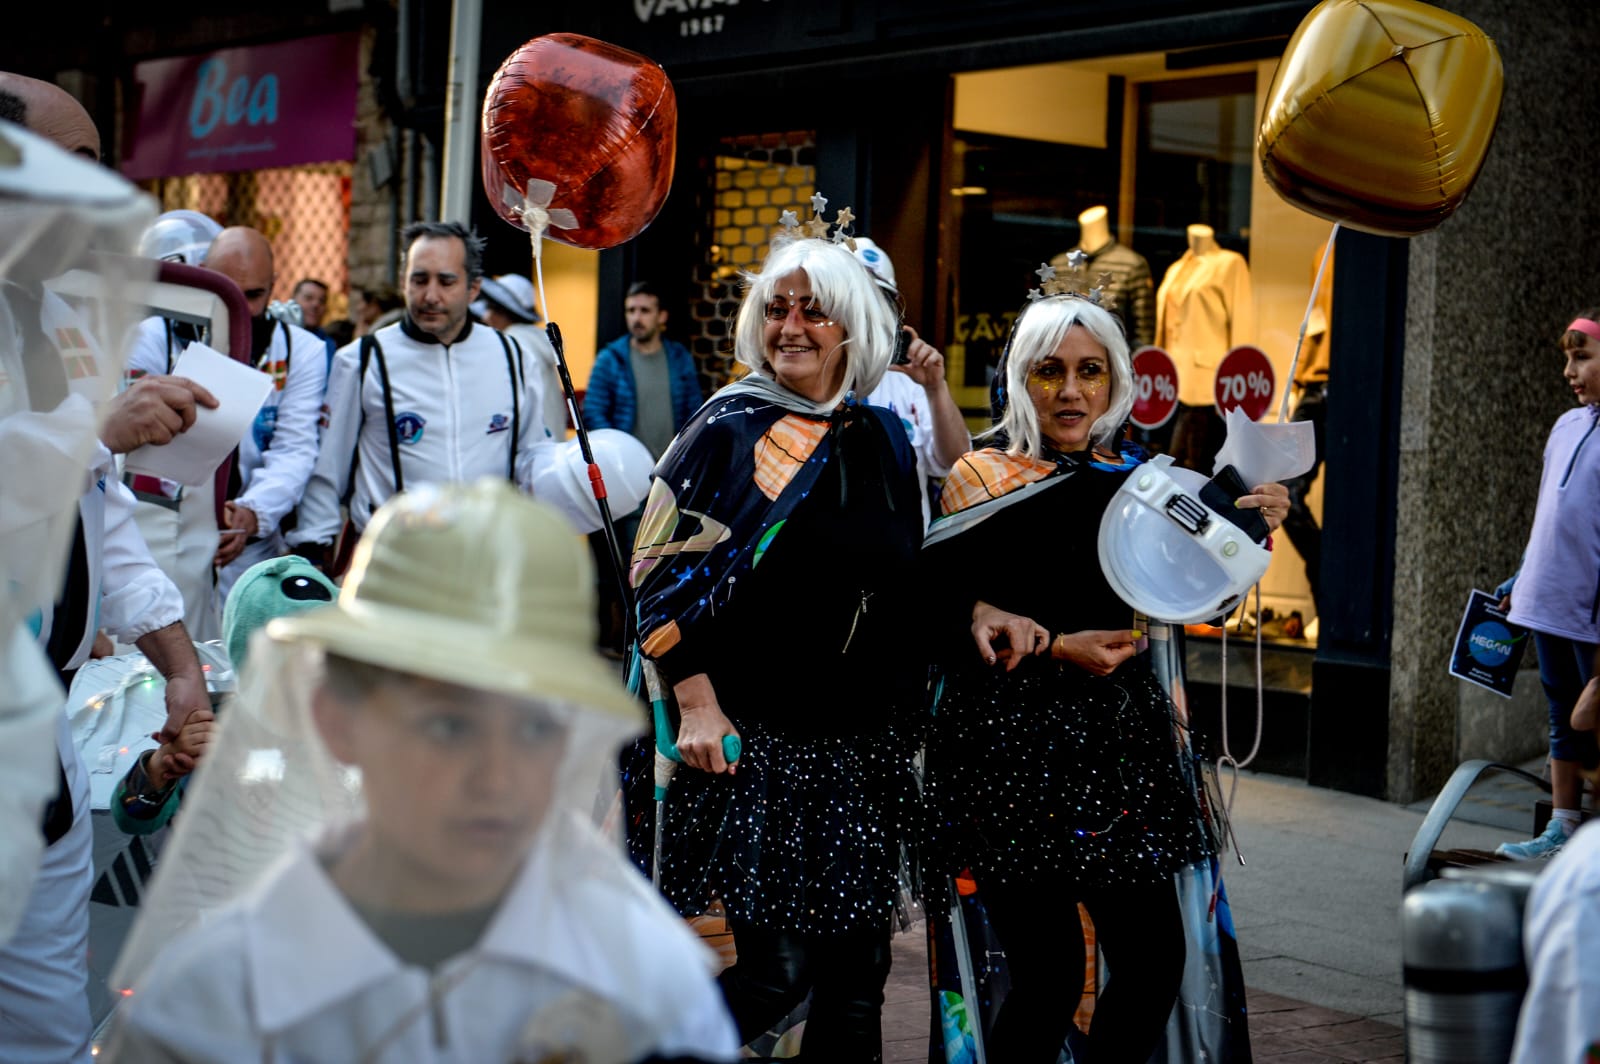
(1204, 309)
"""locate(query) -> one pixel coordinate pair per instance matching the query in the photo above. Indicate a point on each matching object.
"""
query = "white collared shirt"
(908, 401)
(279, 451)
(1560, 1019)
(291, 973)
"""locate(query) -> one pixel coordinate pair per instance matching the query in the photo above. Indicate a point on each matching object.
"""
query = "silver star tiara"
(815, 228)
(1072, 281)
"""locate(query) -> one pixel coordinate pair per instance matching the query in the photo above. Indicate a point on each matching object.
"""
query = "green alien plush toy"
(148, 796)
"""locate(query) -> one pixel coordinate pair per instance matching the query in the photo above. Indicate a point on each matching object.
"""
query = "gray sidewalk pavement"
(1317, 909)
(1317, 905)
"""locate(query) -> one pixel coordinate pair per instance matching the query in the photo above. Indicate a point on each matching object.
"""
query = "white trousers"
(44, 969)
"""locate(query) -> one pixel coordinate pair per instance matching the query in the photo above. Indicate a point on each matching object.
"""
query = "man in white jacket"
(433, 398)
(277, 454)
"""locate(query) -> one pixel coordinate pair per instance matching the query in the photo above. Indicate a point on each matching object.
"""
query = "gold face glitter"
(1047, 377)
(1071, 390)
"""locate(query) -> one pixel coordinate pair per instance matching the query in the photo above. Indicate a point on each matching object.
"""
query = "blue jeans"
(1565, 666)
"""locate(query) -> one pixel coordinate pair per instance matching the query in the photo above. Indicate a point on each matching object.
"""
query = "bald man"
(277, 455)
(50, 111)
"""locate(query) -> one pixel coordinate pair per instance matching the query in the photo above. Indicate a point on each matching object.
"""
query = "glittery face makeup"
(804, 345)
(1071, 390)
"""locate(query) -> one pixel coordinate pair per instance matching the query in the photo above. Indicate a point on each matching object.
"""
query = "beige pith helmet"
(475, 585)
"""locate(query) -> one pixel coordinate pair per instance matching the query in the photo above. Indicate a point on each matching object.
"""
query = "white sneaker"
(1545, 845)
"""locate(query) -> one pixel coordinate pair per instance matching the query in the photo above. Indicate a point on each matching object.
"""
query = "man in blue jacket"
(643, 384)
(646, 386)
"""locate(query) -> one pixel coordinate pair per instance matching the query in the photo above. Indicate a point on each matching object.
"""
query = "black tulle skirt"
(1049, 774)
(809, 835)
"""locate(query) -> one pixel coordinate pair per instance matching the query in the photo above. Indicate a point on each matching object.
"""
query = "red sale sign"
(1155, 388)
(1245, 379)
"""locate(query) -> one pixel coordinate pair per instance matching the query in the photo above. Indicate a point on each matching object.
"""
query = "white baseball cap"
(877, 260)
(512, 292)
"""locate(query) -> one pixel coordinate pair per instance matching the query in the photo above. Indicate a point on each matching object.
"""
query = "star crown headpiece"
(816, 228)
(1072, 281)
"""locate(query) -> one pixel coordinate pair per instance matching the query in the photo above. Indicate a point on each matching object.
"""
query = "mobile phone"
(1220, 492)
(902, 348)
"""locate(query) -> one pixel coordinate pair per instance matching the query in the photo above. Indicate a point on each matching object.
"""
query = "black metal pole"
(598, 484)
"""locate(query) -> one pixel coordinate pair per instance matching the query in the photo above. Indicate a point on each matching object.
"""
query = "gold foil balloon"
(1380, 114)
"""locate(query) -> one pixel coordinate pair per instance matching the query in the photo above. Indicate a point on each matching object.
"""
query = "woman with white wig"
(773, 568)
(1052, 764)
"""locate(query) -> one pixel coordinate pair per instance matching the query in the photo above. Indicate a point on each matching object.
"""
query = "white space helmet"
(179, 236)
(625, 463)
(1169, 555)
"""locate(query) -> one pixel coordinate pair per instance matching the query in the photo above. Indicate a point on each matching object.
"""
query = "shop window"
(1196, 139)
(1168, 157)
(749, 182)
(303, 210)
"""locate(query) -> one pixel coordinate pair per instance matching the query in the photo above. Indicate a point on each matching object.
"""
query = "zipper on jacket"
(453, 405)
(860, 609)
(1593, 421)
(441, 1030)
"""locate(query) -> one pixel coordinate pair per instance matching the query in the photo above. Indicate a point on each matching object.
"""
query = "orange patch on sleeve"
(661, 640)
(988, 474)
(783, 449)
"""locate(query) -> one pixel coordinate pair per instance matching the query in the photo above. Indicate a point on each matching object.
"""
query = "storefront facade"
(260, 136)
(969, 139)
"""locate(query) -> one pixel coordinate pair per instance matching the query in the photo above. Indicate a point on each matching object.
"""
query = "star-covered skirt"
(807, 836)
(1049, 774)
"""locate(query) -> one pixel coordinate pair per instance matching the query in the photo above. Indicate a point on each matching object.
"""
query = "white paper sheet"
(193, 457)
(1263, 453)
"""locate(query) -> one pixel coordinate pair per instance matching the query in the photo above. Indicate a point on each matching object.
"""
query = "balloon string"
(1227, 761)
(537, 221)
(538, 275)
(1316, 286)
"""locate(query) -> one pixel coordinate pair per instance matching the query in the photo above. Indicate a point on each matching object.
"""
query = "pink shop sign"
(245, 108)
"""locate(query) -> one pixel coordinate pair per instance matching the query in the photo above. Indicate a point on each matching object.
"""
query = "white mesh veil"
(421, 777)
(60, 357)
(270, 784)
(67, 286)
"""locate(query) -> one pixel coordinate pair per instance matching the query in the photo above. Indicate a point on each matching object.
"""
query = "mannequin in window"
(1204, 309)
(1130, 294)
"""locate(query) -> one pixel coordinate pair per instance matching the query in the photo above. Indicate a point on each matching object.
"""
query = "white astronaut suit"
(55, 210)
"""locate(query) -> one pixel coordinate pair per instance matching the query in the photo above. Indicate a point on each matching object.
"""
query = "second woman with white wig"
(774, 569)
(1052, 765)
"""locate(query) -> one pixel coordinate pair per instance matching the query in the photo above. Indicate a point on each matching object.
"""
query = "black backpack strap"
(513, 370)
(367, 344)
(288, 350)
(388, 413)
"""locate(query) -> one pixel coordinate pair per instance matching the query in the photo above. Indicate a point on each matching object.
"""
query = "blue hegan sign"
(1488, 646)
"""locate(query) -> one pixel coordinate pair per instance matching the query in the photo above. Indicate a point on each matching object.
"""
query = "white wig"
(1037, 334)
(843, 288)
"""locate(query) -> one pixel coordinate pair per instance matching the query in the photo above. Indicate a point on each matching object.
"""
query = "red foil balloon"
(598, 122)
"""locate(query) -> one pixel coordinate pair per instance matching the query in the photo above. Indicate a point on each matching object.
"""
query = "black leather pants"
(844, 974)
